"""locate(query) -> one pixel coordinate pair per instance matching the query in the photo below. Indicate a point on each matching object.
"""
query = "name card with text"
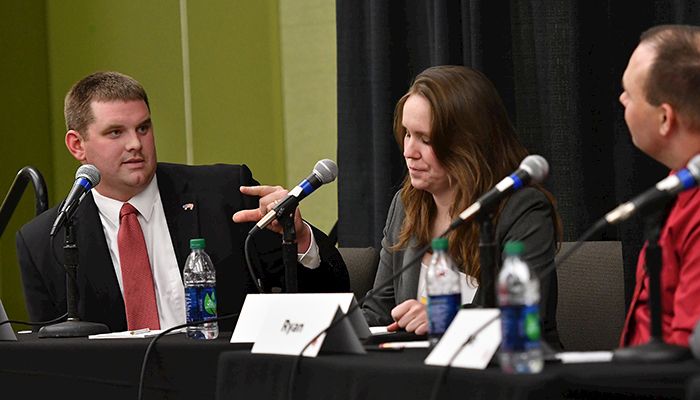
(278, 323)
(483, 345)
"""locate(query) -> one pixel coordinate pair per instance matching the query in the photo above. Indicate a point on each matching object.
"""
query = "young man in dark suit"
(164, 206)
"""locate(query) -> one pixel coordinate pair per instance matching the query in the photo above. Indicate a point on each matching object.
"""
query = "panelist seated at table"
(133, 229)
(662, 111)
(458, 142)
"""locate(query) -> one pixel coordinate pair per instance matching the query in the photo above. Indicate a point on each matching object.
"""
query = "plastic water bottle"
(518, 298)
(199, 278)
(443, 289)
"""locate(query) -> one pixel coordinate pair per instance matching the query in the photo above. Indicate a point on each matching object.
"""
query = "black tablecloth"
(402, 375)
(80, 368)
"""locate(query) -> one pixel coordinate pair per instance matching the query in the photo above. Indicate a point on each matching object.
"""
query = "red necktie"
(137, 278)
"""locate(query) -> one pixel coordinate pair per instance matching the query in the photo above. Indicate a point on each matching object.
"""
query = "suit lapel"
(181, 211)
(94, 258)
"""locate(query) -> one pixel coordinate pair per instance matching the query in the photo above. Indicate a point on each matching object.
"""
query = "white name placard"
(478, 352)
(283, 323)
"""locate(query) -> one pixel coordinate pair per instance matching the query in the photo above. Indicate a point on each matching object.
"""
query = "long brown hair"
(476, 144)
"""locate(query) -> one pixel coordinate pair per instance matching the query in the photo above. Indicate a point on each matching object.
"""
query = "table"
(80, 368)
(402, 375)
(179, 368)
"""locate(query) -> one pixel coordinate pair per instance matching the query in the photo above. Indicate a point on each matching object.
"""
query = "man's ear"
(669, 119)
(74, 143)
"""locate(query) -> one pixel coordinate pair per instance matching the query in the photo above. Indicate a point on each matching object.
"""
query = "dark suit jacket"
(526, 216)
(214, 191)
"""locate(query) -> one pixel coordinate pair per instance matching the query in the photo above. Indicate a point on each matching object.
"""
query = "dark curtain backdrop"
(557, 65)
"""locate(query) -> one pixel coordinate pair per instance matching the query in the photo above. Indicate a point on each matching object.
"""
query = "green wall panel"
(138, 38)
(236, 94)
(25, 129)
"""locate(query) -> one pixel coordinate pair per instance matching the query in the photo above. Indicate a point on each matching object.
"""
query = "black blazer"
(213, 190)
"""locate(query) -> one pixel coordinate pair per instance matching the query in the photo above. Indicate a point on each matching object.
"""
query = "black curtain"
(558, 67)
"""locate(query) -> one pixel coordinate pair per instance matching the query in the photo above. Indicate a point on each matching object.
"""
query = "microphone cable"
(370, 294)
(167, 331)
(595, 228)
(251, 271)
(32, 323)
(534, 165)
(443, 373)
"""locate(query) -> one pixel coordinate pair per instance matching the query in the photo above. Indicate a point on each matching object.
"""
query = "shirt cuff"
(311, 259)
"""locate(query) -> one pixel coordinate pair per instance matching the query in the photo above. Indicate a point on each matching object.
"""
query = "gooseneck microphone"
(325, 171)
(86, 178)
(533, 169)
(653, 198)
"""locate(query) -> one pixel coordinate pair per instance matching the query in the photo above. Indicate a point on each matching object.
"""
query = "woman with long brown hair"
(458, 142)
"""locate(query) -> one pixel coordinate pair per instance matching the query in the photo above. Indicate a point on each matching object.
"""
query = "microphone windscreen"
(694, 167)
(536, 166)
(89, 172)
(326, 170)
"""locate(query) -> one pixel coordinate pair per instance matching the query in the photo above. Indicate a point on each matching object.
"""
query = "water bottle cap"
(197, 243)
(514, 247)
(439, 244)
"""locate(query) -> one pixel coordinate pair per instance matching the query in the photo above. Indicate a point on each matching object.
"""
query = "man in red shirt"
(662, 109)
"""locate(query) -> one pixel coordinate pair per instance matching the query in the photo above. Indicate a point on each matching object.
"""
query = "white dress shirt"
(167, 282)
(170, 292)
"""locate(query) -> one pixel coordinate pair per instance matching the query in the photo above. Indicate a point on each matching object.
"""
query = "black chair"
(362, 265)
(591, 302)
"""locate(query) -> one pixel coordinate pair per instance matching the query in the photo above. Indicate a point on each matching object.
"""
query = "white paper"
(478, 353)
(584, 356)
(137, 334)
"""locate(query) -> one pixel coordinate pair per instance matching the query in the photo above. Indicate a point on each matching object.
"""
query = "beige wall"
(261, 79)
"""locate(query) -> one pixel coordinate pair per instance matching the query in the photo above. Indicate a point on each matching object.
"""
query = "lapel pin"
(188, 207)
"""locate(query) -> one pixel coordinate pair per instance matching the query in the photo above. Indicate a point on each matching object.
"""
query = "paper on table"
(584, 356)
(137, 334)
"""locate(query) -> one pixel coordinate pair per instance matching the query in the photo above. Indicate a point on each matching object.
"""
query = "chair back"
(591, 301)
(362, 265)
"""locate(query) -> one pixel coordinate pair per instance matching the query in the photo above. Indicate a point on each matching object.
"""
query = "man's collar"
(144, 202)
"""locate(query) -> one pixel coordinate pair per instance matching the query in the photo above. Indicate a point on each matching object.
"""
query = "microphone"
(666, 189)
(325, 171)
(86, 177)
(533, 169)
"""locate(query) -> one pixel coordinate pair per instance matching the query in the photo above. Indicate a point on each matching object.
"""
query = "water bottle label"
(520, 326)
(208, 303)
(200, 303)
(441, 311)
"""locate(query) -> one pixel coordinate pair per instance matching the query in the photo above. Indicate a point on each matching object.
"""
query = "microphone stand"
(655, 350)
(73, 326)
(289, 249)
(487, 260)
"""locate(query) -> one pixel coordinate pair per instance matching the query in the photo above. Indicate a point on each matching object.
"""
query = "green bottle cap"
(197, 243)
(514, 248)
(439, 244)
